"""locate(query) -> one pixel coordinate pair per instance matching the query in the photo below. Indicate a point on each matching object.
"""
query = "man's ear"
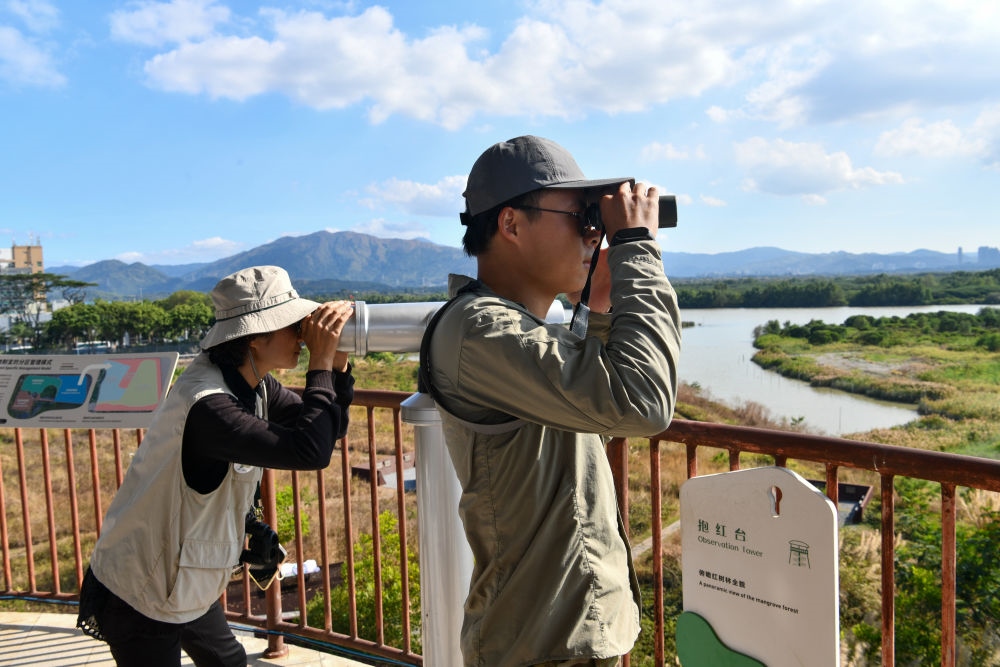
(507, 222)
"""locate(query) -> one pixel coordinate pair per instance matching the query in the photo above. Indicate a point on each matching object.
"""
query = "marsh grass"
(955, 381)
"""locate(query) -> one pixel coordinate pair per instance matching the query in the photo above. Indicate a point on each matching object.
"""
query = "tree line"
(876, 290)
(183, 316)
(186, 315)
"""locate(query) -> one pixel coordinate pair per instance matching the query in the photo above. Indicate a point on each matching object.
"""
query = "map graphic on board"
(129, 385)
(35, 394)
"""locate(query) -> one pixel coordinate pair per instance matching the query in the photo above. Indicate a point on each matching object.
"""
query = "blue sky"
(187, 131)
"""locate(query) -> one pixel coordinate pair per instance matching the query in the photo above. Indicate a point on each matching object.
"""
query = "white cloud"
(23, 62)
(714, 202)
(986, 129)
(37, 15)
(720, 115)
(562, 62)
(944, 139)
(158, 23)
(394, 230)
(789, 61)
(825, 61)
(787, 67)
(443, 198)
(915, 138)
(204, 250)
(786, 168)
(658, 151)
(216, 244)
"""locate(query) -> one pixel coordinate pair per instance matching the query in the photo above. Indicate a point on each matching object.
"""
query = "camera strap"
(581, 312)
(263, 567)
(424, 384)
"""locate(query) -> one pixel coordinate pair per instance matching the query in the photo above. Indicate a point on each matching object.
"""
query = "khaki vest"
(165, 549)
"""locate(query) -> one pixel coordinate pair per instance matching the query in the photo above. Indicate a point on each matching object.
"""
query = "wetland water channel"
(717, 351)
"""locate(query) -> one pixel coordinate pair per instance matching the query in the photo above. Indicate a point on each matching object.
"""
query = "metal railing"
(337, 518)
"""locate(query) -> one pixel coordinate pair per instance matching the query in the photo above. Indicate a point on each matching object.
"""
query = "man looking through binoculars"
(528, 406)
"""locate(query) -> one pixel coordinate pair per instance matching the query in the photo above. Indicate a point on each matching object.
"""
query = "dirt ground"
(853, 363)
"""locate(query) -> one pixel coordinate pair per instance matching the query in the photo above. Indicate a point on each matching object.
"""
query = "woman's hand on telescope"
(321, 333)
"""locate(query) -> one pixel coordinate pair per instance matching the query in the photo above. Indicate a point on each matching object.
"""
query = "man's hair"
(483, 227)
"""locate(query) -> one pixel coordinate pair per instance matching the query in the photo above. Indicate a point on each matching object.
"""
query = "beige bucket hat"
(256, 300)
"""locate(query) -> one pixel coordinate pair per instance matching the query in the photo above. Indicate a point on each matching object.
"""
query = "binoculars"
(668, 211)
(667, 214)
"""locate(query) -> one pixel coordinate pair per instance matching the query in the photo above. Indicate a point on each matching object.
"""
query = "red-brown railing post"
(275, 642)
(116, 439)
(74, 507)
(376, 533)
(618, 459)
(404, 562)
(888, 573)
(50, 515)
(657, 527)
(948, 574)
(352, 588)
(4, 544)
(95, 479)
(324, 550)
(833, 484)
(29, 547)
(300, 575)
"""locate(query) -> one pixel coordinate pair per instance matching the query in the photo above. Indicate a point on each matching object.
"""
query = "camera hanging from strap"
(263, 554)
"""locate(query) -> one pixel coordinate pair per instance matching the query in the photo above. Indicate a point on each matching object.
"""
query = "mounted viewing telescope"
(398, 327)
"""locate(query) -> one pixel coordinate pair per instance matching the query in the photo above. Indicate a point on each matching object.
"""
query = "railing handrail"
(941, 467)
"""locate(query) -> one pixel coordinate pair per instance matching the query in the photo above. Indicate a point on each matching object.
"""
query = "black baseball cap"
(518, 166)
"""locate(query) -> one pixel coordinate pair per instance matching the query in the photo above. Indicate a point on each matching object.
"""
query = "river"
(717, 351)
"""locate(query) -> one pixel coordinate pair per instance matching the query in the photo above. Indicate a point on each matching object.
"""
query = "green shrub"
(990, 341)
(364, 581)
(284, 502)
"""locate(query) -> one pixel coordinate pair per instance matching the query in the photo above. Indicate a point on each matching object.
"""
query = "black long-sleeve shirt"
(299, 434)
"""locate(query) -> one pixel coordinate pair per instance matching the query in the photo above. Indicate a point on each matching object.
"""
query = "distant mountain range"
(328, 262)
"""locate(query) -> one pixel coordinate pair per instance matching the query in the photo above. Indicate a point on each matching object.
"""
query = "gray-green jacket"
(527, 407)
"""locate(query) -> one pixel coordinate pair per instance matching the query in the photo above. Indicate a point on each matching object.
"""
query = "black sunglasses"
(588, 222)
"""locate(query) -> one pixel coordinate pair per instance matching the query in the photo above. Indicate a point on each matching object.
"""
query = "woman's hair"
(483, 227)
(232, 352)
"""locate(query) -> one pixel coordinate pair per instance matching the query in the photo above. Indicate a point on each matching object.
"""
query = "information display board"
(83, 391)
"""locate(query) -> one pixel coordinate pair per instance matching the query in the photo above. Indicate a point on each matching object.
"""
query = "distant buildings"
(22, 259)
(988, 256)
